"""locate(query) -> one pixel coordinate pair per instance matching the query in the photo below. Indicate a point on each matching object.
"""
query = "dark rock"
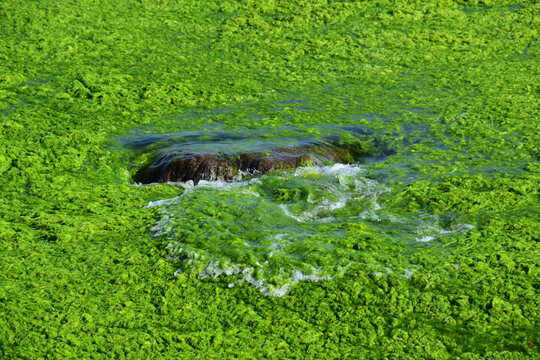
(182, 166)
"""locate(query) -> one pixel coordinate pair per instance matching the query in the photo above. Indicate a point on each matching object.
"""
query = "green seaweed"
(447, 89)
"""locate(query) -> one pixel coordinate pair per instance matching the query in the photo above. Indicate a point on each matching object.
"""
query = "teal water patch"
(285, 227)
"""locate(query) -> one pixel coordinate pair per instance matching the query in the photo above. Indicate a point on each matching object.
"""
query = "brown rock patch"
(184, 166)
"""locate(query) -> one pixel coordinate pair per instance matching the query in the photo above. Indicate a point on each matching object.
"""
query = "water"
(276, 230)
(307, 224)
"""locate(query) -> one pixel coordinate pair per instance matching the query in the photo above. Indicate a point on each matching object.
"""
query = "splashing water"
(282, 228)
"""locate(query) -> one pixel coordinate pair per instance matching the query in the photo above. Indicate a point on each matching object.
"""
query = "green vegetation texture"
(451, 87)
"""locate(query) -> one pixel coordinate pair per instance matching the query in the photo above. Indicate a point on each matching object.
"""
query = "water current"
(285, 227)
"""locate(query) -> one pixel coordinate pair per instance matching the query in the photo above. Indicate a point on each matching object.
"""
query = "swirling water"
(281, 228)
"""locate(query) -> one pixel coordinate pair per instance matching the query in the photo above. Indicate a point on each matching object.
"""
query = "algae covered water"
(424, 245)
(281, 228)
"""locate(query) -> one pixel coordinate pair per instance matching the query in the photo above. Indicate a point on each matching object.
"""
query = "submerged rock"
(183, 166)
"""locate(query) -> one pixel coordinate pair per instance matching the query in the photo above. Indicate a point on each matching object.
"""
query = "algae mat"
(444, 94)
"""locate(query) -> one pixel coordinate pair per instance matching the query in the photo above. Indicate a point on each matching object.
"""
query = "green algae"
(449, 86)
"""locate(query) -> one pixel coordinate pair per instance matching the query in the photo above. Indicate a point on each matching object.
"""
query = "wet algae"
(446, 93)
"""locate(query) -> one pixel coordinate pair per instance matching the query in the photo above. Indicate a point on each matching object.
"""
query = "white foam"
(213, 269)
(406, 273)
(336, 170)
(339, 191)
(462, 227)
(368, 215)
(278, 242)
(429, 230)
(425, 238)
(334, 195)
(289, 214)
(337, 205)
(158, 203)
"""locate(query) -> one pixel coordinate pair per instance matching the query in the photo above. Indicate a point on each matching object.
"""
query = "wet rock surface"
(181, 165)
